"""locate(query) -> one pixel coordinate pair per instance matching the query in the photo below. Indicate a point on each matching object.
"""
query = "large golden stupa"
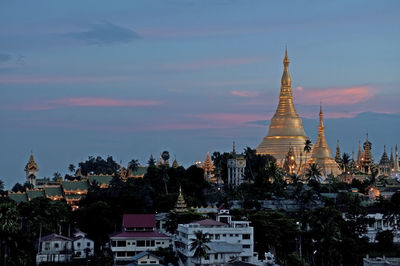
(286, 128)
(321, 154)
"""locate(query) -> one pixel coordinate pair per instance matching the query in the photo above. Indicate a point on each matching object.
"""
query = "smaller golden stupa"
(321, 154)
(180, 204)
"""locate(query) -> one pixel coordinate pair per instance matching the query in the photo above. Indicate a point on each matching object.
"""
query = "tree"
(151, 161)
(71, 168)
(1, 185)
(345, 161)
(307, 147)
(57, 176)
(313, 173)
(385, 240)
(133, 165)
(18, 188)
(199, 245)
(165, 156)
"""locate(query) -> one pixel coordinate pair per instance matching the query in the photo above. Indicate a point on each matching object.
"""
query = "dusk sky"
(134, 78)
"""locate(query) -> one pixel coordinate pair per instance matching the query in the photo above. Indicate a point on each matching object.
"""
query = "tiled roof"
(142, 254)
(73, 197)
(209, 222)
(139, 220)
(75, 185)
(55, 237)
(153, 234)
(35, 194)
(18, 197)
(53, 191)
(100, 179)
(142, 170)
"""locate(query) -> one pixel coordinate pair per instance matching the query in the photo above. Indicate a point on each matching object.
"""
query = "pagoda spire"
(180, 204)
(286, 126)
(338, 157)
(391, 158)
(359, 154)
(321, 154)
(396, 160)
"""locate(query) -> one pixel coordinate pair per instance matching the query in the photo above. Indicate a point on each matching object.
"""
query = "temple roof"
(100, 179)
(32, 194)
(31, 165)
(139, 220)
(75, 185)
(384, 159)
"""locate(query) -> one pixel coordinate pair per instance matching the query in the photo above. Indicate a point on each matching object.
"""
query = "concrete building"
(229, 240)
(83, 246)
(138, 234)
(54, 248)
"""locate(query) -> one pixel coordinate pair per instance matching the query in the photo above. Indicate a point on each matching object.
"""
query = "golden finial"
(286, 81)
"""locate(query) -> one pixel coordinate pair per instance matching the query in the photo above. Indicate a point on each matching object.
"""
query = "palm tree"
(71, 168)
(165, 156)
(313, 173)
(199, 245)
(307, 148)
(133, 165)
(345, 161)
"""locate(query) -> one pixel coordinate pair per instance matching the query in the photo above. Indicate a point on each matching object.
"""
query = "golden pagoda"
(321, 154)
(31, 170)
(286, 128)
(208, 166)
(180, 204)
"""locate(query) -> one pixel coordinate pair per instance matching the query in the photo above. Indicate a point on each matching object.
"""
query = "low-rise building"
(138, 234)
(145, 257)
(229, 240)
(54, 248)
(83, 246)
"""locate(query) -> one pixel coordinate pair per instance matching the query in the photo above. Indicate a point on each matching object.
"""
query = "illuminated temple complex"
(286, 127)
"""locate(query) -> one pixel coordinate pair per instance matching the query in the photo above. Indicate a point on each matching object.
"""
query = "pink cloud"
(334, 96)
(229, 119)
(86, 102)
(245, 93)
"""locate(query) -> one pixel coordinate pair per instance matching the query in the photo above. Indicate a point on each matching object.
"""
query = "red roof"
(209, 222)
(153, 234)
(139, 220)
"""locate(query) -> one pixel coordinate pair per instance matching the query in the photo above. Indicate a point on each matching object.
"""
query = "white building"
(145, 258)
(54, 248)
(230, 240)
(236, 168)
(381, 223)
(138, 234)
(83, 246)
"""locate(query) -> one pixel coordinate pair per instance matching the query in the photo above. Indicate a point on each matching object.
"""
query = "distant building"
(145, 257)
(230, 240)
(54, 248)
(83, 246)
(31, 170)
(236, 166)
(138, 234)
(380, 261)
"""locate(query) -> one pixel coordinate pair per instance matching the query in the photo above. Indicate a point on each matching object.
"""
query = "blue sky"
(134, 78)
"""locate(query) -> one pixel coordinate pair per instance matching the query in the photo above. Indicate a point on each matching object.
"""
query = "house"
(138, 234)
(145, 257)
(83, 246)
(229, 240)
(54, 248)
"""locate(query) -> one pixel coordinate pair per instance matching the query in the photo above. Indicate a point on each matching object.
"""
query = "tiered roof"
(180, 204)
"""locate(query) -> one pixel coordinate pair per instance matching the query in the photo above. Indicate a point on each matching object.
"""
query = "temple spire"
(286, 126)
(338, 157)
(286, 80)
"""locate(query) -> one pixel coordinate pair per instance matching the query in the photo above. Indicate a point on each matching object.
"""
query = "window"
(56, 245)
(158, 243)
(216, 256)
(236, 235)
(231, 235)
(121, 243)
(130, 253)
(224, 235)
(78, 244)
(143, 262)
(246, 236)
(216, 236)
(120, 254)
(114, 243)
(153, 262)
(207, 257)
(246, 246)
(141, 243)
(88, 244)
